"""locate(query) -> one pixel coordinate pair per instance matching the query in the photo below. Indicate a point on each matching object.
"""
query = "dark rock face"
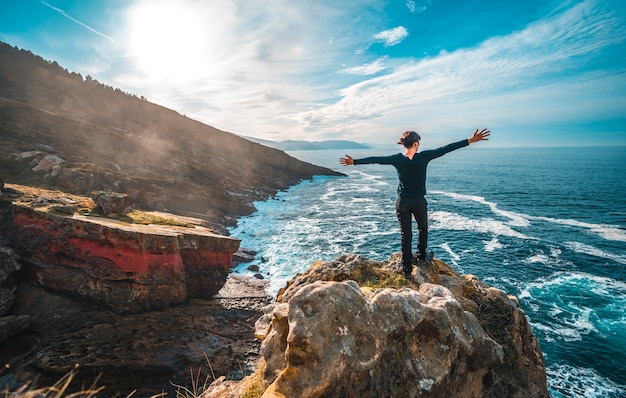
(113, 204)
(9, 264)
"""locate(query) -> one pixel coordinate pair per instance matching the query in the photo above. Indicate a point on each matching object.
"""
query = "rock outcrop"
(83, 291)
(355, 328)
(126, 267)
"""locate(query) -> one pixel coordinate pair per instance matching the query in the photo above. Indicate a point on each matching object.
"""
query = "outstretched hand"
(347, 161)
(481, 135)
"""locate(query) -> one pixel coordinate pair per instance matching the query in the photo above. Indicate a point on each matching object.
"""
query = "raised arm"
(479, 136)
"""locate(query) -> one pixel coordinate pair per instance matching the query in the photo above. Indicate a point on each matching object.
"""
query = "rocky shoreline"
(64, 305)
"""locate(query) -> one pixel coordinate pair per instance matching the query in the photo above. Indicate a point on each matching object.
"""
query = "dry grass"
(254, 384)
(86, 206)
(139, 217)
(58, 390)
(372, 277)
(197, 388)
(61, 388)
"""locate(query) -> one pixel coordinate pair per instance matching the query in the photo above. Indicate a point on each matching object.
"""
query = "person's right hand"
(347, 161)
(482, 135)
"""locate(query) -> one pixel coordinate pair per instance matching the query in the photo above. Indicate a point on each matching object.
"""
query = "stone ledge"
(126, 267)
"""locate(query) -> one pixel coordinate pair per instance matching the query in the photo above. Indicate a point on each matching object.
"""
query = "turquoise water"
(547, 225)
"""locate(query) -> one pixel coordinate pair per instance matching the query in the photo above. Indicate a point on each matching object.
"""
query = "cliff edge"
(355, 328)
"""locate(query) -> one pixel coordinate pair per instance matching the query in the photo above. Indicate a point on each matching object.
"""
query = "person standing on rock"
(411, 168)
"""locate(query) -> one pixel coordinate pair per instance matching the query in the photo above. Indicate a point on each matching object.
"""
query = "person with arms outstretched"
(411, 202)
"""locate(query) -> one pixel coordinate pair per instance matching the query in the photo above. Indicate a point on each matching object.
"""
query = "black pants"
(406, 209)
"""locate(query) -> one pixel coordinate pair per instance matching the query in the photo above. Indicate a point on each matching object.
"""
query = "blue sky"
(536, 72)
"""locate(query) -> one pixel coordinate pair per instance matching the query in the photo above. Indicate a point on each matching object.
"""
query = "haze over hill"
(78, 135)
(300, 145)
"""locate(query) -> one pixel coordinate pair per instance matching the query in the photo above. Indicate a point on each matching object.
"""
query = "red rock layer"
(126, 267)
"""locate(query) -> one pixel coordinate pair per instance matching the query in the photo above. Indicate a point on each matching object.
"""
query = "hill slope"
(62, 131)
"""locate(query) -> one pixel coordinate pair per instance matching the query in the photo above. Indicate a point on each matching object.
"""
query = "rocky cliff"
(62, 131)
(124, 266)
(355, 328)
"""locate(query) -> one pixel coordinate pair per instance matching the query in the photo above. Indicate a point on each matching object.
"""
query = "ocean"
(545, 224)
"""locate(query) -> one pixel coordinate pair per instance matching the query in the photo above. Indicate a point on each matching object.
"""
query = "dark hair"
(409, 138)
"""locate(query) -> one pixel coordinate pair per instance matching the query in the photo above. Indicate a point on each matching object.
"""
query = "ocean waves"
(561, 249)
(568, 381)
(594, 251)
(520, 226)
(580, 317)
(454, 221)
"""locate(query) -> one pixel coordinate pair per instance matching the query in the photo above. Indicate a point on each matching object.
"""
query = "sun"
(168, 39)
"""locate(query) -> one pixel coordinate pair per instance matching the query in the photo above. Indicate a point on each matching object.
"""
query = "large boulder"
(355, 328)
(337, 341)
(113, 204)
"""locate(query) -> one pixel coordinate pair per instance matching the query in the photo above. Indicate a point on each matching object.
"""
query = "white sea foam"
(568, 318)
(569, 381)
(539, 258)
(492, 245)
(515, 219)
(582, 321)
(456, 222)
(543, 258)
(606, 231)
(371, 178)
(354, 201)
(606, 286)
(565, 325)
(454, 257)
(344, 194)
(555, 252)
(594, 251)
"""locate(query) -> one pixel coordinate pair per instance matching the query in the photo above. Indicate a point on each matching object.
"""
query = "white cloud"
(366, 69)
(267, 71)
(439, 93)
(240, 72)
(84, 25)
(418, 6)
(393, 36)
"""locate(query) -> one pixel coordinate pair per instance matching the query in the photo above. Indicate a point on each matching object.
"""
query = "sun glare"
(166, 40)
